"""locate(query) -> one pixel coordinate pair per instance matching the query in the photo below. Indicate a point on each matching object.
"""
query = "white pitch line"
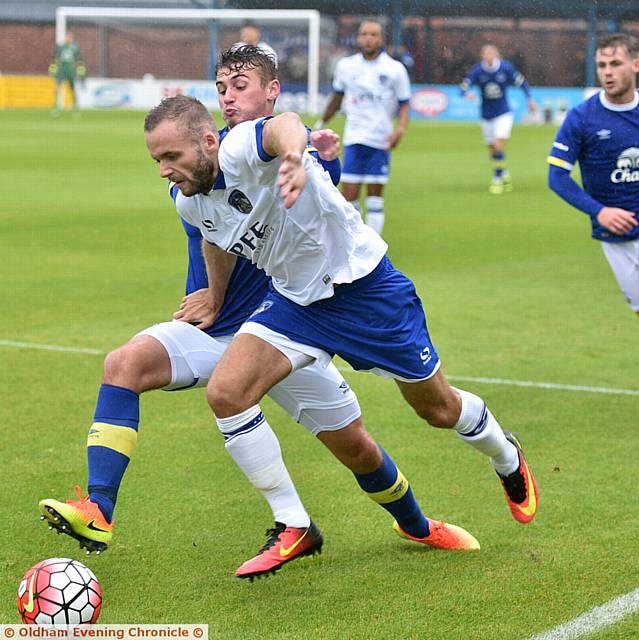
(49, 347)
(594, 620)
(501, 381)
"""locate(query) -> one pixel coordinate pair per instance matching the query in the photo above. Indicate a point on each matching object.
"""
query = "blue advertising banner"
(445, 102)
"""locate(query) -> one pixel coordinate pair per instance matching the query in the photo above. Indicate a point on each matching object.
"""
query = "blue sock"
(110, 444)
(499, 163)
(389, 488)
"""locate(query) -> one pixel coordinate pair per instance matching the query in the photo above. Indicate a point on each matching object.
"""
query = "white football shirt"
(320, 241)
(372, 92)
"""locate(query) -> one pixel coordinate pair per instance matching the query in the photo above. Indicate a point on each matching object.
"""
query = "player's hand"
(619, 221)
(532, 105)
(291, 178)
(470, 96)
(199, 309)
(53, 69)
(326, 141)
(394, 138)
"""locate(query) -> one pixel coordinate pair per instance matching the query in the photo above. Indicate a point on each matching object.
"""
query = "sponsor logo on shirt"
(604, 134)
(627, 166)
(252, 240)
(492, 91)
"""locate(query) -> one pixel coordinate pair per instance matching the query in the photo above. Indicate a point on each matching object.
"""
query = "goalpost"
(203, 17)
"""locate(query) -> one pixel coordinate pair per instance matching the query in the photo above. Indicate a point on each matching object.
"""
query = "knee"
(136, 367)
(224, 400)
(442, 415)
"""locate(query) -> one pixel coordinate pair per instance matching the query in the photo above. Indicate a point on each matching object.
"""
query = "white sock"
(375, 213)
(355, 203)
(478, 427)
(256, 450)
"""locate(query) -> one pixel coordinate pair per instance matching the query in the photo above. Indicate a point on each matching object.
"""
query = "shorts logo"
(263, 307)
(627, 166)
(240, 202)
(425, 355)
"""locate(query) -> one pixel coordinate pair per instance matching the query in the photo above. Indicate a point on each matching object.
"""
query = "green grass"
(92, 252)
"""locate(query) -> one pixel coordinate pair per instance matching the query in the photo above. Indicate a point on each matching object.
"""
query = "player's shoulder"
(590, 107)
(236, 138)
(506, 65)
(349, 61)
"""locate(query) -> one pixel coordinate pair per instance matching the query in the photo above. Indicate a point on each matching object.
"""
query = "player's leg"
(623, 258)
(375, 207)
(318, 397)
(375, 168)
(444, 406)
(246, 372)
(139, 365)
(502, 128)
(352, 174)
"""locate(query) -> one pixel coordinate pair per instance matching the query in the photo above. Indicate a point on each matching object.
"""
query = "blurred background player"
(493, 76)
(370, 86)
(250, 34)
(602, 134)
(67, 66)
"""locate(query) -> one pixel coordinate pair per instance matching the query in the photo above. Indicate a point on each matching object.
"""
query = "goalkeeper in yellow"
(67, 66)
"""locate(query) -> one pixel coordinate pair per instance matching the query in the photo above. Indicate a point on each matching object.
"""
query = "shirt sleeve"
(468, 81)
(402, 85)
(339, 85)
(518, 79)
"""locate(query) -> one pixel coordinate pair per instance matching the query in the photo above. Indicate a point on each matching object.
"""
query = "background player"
(250, 34)
(67, 66)
(602, 135)
(493, 76)
(371, 88)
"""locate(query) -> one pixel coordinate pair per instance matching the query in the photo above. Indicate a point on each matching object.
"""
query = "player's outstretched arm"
(202, 307)
(285, 137)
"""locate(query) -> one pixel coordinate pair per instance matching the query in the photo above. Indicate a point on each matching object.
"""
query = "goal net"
(136, 57)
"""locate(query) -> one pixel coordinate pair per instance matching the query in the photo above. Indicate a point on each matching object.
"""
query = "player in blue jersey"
(493, 76)
(372, 89)
(602, 135)
(177, 355)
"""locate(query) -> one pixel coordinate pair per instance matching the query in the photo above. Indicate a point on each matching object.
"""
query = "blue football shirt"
(604, 139)
(493, 82)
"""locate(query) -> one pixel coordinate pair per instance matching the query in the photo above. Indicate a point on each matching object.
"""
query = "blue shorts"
(376, 324)
(365, 165)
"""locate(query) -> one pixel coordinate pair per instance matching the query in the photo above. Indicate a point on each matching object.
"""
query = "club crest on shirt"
(240, 202)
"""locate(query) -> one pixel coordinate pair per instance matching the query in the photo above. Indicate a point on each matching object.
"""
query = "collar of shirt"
(628, 106)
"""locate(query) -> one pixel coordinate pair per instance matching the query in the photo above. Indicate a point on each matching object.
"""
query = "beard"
(203, 176)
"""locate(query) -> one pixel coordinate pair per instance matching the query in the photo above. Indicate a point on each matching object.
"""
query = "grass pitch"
(514, 289)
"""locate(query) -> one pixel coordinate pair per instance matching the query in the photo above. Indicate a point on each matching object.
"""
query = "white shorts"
(623, 258)
(498, 128)
(316, 396)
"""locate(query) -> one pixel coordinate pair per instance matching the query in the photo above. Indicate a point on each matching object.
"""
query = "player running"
(333, 289)
(493, 76)
(602, 135)
(371, 88)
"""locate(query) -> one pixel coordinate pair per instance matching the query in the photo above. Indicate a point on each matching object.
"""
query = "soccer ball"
(59, 591)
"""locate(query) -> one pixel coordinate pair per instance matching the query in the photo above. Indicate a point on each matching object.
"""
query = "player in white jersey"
(265, 187)
(371, 88)
(179, 355)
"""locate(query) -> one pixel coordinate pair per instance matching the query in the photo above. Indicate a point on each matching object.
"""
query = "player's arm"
(617, 220)
(333, 106)
(403, 117)
(285, 137)
(519, 80)
(202, 307)
(466, 84)
(53, 67)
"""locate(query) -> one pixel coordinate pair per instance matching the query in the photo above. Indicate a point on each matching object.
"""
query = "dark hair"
(614, 40)
(247, 56)
(191, 115)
